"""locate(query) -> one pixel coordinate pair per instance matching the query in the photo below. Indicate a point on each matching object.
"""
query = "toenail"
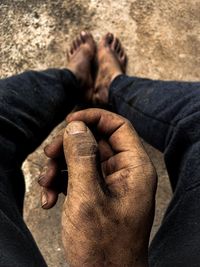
(110, 37)
(83, 33)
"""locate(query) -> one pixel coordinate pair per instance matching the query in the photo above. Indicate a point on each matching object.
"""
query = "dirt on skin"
(162, 40)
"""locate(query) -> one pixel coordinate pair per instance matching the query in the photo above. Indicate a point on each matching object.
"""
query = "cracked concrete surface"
(162, 40)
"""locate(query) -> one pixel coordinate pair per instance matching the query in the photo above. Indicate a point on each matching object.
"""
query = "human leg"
(29, 102)
(166, 115)
(32, 104)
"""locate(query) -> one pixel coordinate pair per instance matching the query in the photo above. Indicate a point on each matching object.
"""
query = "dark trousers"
(165, 114)
(31, 105)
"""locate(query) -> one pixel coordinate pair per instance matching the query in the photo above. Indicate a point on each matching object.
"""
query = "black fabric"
(32, 104)
(167, 115)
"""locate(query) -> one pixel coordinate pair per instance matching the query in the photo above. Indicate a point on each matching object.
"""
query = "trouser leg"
(32, 104)
(167, 115)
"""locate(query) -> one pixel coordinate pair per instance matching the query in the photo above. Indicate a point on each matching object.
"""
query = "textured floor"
(162, 40)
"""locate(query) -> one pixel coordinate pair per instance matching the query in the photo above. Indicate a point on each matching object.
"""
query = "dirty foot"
(80, 59)
(111, 63)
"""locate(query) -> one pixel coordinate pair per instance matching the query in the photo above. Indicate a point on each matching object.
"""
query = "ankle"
(115, 75)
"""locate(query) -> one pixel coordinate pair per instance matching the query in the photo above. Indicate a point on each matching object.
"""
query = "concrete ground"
(162, 40)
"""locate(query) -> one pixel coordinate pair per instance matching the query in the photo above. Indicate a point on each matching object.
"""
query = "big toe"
(106, 40)
(87, 37)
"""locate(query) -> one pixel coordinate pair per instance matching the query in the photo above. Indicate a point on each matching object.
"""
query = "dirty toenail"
(110, 37)
(83, 33)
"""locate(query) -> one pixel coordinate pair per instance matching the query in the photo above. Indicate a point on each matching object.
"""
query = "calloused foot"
(111, 63)
(80, 59)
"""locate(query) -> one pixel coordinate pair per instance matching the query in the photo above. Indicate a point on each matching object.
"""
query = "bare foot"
(80, 59)
(111, 63)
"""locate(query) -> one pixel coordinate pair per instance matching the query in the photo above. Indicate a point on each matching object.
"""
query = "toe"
(89, 38)
(83, 36)
(106, 40)
(86, 36)
(122, 56)
(78, 41)
(74, 45)
(119, 48)
(71, 51)
(115, 44)
(124, 60)
(109, 38)
(121, 53)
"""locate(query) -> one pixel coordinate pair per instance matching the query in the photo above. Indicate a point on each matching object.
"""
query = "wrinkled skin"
(110, 191)
(109, 208)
